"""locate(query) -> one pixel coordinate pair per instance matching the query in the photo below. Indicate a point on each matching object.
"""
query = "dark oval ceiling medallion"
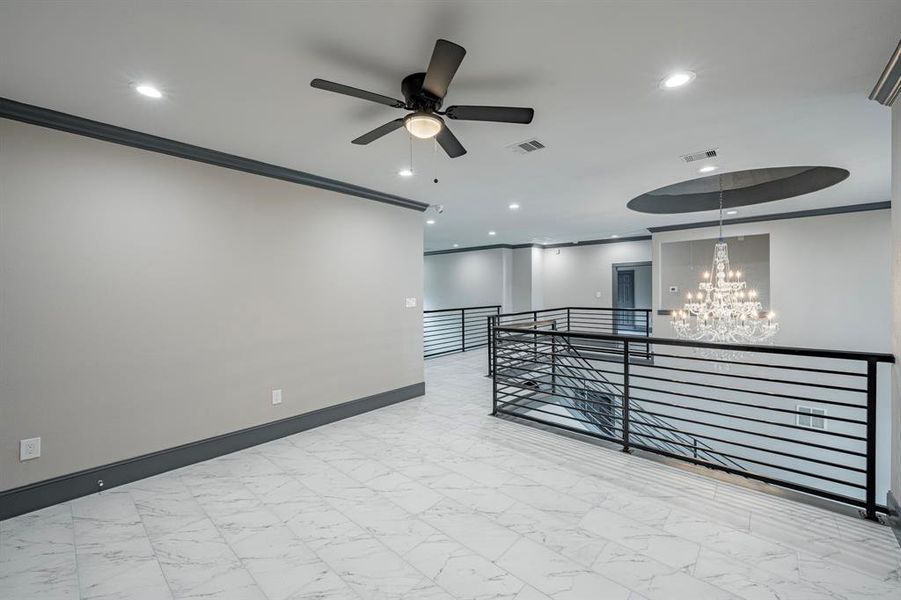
(740, 188)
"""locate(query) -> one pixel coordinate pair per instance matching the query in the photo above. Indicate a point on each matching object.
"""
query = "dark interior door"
(625, 298)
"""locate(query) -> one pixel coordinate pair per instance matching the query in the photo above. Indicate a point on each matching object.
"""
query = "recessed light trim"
(149, 90)
(615, 235)
(492, 233)
(430, 222)
(405, 172)
(513, 206)
(677, 79)
(708, 169)
(456, 245)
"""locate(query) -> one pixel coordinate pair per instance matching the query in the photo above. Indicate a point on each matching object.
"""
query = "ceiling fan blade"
(446, 59)
(498, 114)
(449, 143)
(378, 132)
(331, 86)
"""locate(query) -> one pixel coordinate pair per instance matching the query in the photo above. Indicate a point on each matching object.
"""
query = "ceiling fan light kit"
(423, 125)
(424, 95)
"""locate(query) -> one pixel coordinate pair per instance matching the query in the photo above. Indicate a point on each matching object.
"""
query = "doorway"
(631, 289)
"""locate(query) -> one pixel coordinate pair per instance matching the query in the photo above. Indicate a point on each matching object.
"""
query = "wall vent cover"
(527, 146)
(699, 155)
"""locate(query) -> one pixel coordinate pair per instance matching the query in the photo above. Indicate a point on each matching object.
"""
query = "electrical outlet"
(29, 449)
(276, 396)
(411, 303)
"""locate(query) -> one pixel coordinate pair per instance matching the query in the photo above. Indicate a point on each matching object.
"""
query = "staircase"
(569, 386)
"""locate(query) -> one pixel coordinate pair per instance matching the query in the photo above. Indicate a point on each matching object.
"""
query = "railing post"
(493, 360)
(463, 329)
(554, 358)
(871, 440)
(490, 344)
(625, 396)
(568, 309)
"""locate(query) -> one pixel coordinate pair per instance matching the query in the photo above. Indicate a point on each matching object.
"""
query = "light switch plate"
(411, 303)
(276, 396)
(29, 449)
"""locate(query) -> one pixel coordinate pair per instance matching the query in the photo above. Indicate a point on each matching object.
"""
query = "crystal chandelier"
(724, 310)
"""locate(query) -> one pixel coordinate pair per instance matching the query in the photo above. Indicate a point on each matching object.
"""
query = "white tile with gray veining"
(432, 499)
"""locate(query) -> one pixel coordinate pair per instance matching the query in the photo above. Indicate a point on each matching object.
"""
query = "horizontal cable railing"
(803, 419)
(449, 330)
(613, 321)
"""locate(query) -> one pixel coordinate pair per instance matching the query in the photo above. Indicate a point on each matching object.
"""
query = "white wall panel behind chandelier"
(829, 278)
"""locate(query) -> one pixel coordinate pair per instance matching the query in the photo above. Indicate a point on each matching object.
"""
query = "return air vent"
(526, 147)
(699, 155)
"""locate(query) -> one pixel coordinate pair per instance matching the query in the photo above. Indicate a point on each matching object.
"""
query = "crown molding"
(636, 238)
(44, 117)
(799, 214)
(888, 86)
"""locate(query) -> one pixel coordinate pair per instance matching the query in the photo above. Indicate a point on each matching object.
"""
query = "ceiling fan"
(423, 95)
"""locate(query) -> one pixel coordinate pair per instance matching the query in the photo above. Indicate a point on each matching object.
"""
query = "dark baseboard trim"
(798, 214)
(894, 514)
(44, 117)
(38, 495)
(636, 238)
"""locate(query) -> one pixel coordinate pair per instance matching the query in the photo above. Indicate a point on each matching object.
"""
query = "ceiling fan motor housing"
(417, 98)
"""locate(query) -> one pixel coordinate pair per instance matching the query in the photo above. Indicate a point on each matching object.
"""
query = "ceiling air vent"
(699, 155)
(526, 147)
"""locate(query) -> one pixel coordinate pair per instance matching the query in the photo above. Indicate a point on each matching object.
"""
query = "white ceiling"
(778, 84)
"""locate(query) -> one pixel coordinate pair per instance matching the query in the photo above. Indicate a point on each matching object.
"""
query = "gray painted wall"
(574, 275)
(829, 278)
(683, 263)
(521, 281)
(460, 279)
(150, 301)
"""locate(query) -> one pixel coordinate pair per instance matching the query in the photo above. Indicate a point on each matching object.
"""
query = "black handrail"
(739, 408)
(449, 330)
(593, 319)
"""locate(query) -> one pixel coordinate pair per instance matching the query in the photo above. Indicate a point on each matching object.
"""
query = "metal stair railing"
(651, 430)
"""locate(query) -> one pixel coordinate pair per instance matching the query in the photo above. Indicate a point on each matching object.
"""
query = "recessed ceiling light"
(513, 206)
(146, 89)
(679, 79)
(456, 245)
(731, 212)
(430, 222)
(615, 235)
(707, 168)
(405, 172)
(492, 233)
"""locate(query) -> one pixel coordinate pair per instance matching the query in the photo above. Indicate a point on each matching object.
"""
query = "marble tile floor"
(434, 499)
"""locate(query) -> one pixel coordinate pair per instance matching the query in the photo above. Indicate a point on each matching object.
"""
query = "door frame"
(615, 279)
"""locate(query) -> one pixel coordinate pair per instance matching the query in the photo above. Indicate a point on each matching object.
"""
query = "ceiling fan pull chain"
(435, 158)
